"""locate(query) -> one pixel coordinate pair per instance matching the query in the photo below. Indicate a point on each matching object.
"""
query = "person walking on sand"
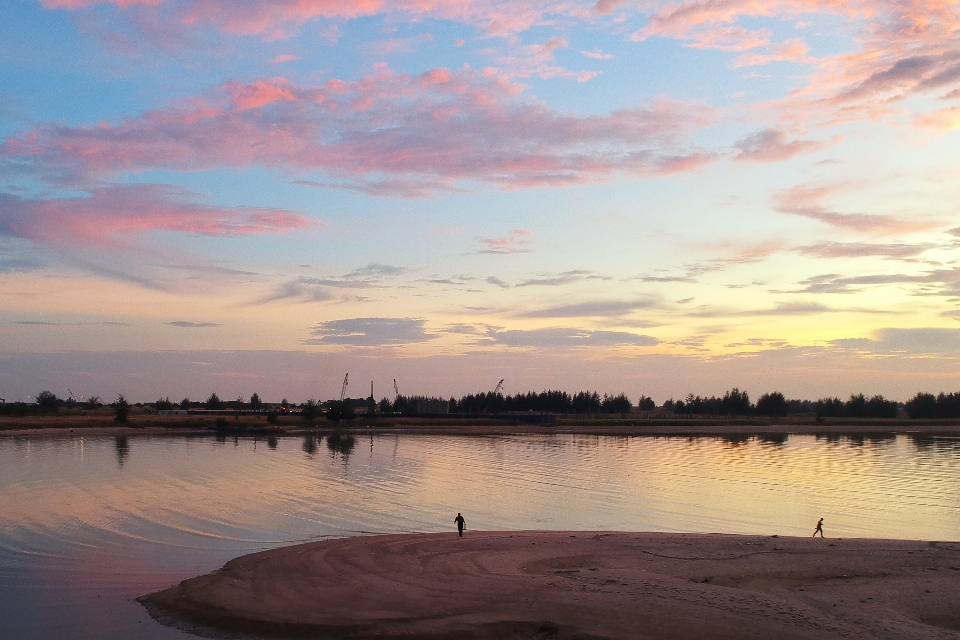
(818, 529)
(460, 524)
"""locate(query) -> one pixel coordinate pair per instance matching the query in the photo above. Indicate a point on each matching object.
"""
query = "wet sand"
(577, 585)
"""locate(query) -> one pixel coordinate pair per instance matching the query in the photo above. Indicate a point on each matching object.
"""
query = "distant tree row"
(857, 406)
(737, 403)
(732, 403)
(584, 402)
(927, 405)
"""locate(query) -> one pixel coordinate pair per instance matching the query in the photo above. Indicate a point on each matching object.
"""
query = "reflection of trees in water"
(736, 439)
(310, 444)
(935, 444)
(123, 449)
(341, 445)
(272, 442)
(860, 439)
(776, 439)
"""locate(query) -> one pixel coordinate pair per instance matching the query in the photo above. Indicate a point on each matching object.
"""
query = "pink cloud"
(111, 215)
(772, 145)
(517, 241)
(437, 128)
(604, 7)
(898, 48)
(806, 201)
(260, 93)
(273, 19)
(795, 50)
(284, 58)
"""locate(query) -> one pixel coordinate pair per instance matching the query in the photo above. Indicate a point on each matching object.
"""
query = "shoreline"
(576, 584)
(636, 429)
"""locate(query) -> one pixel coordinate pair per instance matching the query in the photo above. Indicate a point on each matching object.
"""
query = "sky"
(621, 195)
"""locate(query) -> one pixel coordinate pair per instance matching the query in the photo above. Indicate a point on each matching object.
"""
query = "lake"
(87, 524)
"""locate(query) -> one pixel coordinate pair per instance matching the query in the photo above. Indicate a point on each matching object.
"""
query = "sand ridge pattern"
(576, 585)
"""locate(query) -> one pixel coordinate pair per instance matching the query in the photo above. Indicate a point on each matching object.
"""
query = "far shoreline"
(251, 427)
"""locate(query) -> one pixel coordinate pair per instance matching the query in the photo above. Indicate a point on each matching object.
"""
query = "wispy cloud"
(566, 338)
(109, 215)
(594, 309)
(864, 249)
(184, 324)
(555, 280)
(806, 201)
(497, 282)
(370, 332)
(906, 341)
(773, 145)
(517, 241)
(939, 282)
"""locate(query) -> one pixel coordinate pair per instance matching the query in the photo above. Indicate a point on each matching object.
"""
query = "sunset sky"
(657, 198)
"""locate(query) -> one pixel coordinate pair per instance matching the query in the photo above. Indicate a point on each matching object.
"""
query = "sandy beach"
(580, 585)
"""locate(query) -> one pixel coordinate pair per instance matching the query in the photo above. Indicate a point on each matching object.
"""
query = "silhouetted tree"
(214, 402)
(121, 409)
(773, 405)
(310, 411)
(646, 404)
(926, 405)
(340, 411)
(185, 404)
(385, 406)
(48, 402)
(163, 404)
(616, 404)
(255, 402)
(923, 405)
(880, 407)
(829, 407)
(735, 402)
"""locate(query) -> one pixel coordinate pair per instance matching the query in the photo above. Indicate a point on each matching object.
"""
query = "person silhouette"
(818, 529)
(460, 524)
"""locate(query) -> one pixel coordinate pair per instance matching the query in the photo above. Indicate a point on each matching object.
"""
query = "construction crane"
(74, 397)
(396, 391)
(343, 389)
(499, 387)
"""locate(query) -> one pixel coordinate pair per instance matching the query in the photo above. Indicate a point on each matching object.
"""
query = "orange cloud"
(942, 120)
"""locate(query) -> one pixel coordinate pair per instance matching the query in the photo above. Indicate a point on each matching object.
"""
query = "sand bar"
(577, 585)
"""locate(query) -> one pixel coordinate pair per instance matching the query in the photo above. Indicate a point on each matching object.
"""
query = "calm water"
(87, 524)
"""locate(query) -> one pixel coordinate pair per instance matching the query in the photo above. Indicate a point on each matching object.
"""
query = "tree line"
(737, 403)
(734, 402)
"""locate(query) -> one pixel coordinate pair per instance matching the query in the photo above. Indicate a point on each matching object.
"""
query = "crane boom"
(343, 389)
(499, 387)
(395, 389)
